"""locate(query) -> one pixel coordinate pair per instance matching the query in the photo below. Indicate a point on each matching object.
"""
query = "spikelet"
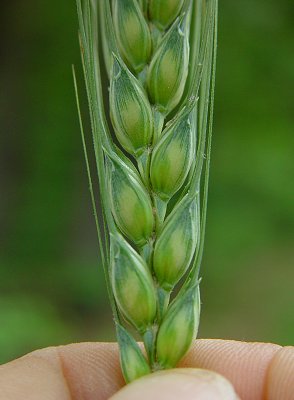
(178, 328)
(130, 110)
(169, 67)
(172, 157)
(163, 12)
(130, 203)
(132, 285)
(132, 33)
(176, 244)
(133, 363)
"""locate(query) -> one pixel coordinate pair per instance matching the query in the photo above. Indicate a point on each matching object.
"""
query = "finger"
(257, 370)
(184, 384)
(80, 371)
(92, 370)
(33, 378)
(243, 364)
(280, 377)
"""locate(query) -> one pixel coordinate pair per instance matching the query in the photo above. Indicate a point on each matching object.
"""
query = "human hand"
(89, 371)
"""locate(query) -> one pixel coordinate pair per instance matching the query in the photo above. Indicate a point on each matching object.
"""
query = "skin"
(88, 371)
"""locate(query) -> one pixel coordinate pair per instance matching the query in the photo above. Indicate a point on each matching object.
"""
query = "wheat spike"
(150, 140)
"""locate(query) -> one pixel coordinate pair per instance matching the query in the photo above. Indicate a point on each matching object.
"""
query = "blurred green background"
(52, 288)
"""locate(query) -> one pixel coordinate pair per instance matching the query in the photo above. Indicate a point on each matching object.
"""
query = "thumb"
(184, 384)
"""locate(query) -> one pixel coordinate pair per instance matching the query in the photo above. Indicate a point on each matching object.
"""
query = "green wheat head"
(152, 141)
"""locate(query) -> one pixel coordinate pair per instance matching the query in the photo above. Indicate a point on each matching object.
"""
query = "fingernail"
(184, 384)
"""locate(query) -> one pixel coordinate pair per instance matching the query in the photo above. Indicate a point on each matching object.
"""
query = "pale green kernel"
(168, 74)
(132, 117)
(127, 203)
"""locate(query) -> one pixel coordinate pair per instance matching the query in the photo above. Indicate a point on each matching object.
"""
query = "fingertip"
(91, 369)
(280, 382)
(185, 384)
(244, 364)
